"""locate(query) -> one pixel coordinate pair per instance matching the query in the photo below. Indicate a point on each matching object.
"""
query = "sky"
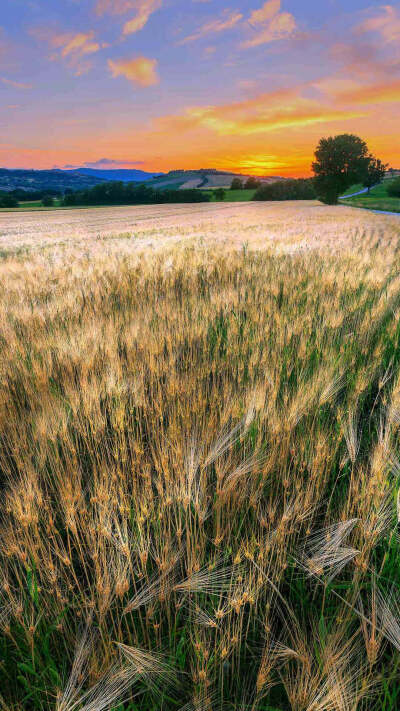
(168, 84)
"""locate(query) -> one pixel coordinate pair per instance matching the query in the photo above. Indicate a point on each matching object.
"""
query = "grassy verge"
(354, 189)
(376, 199)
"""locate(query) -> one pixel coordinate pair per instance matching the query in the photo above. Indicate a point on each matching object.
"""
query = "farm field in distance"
(199, 458)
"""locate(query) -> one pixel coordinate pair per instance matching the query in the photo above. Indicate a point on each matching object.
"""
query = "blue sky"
(173, 83)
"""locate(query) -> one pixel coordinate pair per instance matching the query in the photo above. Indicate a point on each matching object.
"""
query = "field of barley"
(199, 459)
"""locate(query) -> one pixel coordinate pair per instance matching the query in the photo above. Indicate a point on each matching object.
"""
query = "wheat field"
(199, 459)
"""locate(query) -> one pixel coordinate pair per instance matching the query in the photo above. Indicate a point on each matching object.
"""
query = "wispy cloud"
(112, 163)
(15, 84)
(74, 48)
(115, 7)
(143, 11)
(270, 24)
(228, 20)
(385, 21)
(140, 70)
(105, 163)
(384, 93)
(265, 113)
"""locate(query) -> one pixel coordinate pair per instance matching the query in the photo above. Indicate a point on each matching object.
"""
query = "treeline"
(296, 189)
(118, 193)
(12, 198)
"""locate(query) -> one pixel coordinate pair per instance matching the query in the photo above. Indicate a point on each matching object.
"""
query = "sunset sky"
(166, 84)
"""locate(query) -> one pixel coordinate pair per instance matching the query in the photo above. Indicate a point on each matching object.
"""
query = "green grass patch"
(233, 195)
(376, 199)
(353, 189)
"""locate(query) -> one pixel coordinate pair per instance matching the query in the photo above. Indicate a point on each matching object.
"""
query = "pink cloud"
(115, 7)
(144, 9)
(15, 84)
(386, 23)
(272, 24)
(226, 22)
(267, 12)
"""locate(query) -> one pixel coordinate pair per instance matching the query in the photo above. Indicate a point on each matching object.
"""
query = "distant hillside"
(32, 180)
(82, 178)
(127, 175)
(203, 178)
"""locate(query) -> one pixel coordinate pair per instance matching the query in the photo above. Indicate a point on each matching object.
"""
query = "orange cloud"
(144, 9)
(15, 84)
(214, 26)
(388, 92)
(141, 70)
(72, 47)
(275, 25)
(76, 45)
(386, 23)
(266, 113)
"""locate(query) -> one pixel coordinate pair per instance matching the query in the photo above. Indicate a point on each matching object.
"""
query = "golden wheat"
(199, 427)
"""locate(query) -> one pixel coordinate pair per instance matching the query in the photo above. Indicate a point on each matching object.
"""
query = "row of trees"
(250, 184)
(118, 193)
(300, 189)
(12, 198)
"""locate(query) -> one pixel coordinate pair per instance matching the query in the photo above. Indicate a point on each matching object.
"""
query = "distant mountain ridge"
(127, 175)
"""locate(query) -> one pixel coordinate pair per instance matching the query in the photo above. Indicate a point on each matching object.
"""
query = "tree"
(393, 189)
(375, 173)
(7, 200)
(48, 201)
(219, 194)
(252, 184)
(236, 184)
(340, 161)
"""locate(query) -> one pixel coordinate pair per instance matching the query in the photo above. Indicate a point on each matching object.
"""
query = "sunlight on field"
(123, 230)
(199, 432)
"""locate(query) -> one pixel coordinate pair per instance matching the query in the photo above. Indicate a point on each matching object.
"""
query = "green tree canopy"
(375, 173)
(393, 189)
(48, 201)
(219, 194)
(236, 184)
(252, 183)
(340, 161)
(7, 200)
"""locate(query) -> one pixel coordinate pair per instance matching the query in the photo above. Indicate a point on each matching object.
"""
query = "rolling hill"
(39, 180)
(127, 175)
(82, 178)
(203, 178)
